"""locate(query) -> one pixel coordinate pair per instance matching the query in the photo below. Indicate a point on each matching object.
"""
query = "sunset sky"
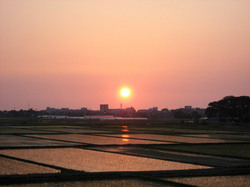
(170, 53)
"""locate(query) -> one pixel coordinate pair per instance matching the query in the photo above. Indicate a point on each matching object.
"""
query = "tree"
(179, 114)
(235, 108)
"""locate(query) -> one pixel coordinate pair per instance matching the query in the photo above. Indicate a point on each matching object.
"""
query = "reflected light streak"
(125, 136)
(125, 129)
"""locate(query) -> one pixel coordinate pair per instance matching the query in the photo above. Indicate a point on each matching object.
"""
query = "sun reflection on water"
(125, 140)
(125, 137)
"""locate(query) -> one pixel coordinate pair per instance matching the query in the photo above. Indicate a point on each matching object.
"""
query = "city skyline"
(120, 107)
(81, 53)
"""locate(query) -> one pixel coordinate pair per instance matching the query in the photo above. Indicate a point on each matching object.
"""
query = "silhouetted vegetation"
(20, 113)
(235, 109)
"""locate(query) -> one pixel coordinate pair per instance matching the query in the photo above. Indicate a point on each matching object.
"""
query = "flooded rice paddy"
(122, 154)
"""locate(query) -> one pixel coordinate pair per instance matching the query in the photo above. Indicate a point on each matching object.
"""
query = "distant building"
(201, 111)
(64, 109)
(153, 109)
(114, 112)
(50, 110)
(104, 108)
(127, 112)
(149, 113)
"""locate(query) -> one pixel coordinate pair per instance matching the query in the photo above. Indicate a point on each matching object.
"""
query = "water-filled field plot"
(116, 155)
(98, 140)
(19, 141)
(176, 139)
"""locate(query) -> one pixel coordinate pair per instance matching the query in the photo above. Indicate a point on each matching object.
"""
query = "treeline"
(20, 113)
(231, 108)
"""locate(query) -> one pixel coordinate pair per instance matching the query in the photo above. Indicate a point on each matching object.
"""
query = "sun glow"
(125, 92)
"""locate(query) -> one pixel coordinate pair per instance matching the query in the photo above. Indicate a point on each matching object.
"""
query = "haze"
(80, 53)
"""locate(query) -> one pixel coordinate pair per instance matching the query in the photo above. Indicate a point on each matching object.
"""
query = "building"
(153, 109)
(104, 108)
(51, 110)
(64, 109)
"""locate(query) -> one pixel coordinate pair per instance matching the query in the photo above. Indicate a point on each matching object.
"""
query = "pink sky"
(80, 53)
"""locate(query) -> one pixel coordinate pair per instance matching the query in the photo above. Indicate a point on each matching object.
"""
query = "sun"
(125, 92)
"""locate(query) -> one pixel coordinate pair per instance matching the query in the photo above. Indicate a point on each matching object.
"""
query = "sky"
(81, 53)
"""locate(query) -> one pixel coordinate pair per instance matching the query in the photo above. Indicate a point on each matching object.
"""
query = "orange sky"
(80, 53)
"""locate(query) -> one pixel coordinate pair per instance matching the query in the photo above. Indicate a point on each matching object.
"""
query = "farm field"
(57, 152)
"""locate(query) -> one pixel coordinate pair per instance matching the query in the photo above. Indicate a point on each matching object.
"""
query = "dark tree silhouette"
(179, 114)
(235, 108)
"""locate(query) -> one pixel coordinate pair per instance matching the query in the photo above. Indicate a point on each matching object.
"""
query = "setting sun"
(125, 92)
